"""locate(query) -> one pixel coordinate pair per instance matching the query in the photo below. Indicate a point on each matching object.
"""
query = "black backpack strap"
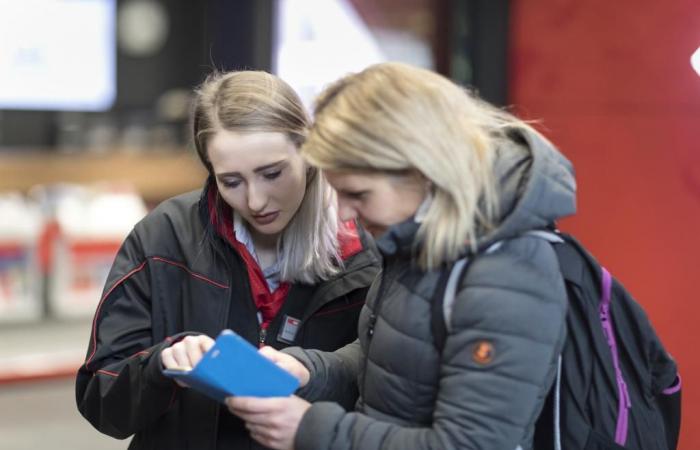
(576, 263)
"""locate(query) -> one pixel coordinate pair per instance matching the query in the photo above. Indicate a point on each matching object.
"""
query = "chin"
(268, 230)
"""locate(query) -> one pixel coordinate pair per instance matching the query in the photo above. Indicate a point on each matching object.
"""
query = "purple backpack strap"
(624, 403)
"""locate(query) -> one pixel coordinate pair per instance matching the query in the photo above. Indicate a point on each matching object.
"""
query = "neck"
(264, 242)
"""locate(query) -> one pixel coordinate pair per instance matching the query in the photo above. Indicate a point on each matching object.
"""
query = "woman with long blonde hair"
(258, 250)
(436, 175)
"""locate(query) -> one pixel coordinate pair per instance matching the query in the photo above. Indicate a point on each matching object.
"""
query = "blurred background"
(94, 103)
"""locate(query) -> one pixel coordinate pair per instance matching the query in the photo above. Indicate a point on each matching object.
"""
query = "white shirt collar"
(242, 234)
(422, 210)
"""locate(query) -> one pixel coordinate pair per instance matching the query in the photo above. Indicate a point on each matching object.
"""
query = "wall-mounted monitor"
(57, 55)
(319, 41)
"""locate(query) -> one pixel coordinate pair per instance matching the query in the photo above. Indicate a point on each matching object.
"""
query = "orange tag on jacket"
(482, 352)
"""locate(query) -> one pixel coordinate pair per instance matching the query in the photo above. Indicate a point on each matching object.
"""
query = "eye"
(358, 195)
(231, 183)
(272, 175)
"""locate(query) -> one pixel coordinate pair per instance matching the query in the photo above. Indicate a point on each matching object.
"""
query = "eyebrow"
(256, 170)
(352, 191)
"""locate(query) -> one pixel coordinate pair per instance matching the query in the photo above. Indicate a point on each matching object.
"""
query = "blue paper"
(233, 367)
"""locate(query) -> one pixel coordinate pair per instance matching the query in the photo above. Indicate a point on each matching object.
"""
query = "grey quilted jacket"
(507, 328)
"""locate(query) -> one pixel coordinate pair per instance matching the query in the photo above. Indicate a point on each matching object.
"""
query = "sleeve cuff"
(306, 392)
(154, 368)
(315, 430)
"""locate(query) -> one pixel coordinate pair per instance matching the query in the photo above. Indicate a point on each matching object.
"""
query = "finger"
(256, 428)
(270, 353)
(263, 435)
(252, 405)
(253, 418)
(193, 349)
(166, 357)
(205, 343)
(241, 406)
(261, 439)
(262, 420)
(180, 355)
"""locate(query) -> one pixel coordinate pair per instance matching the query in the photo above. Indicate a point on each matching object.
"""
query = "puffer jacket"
(488, 386)
(179, 272)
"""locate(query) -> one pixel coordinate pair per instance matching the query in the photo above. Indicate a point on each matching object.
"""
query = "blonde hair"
(393, 117)
(256, 101)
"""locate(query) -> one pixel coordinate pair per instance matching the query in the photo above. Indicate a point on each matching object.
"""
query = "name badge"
(289, 329)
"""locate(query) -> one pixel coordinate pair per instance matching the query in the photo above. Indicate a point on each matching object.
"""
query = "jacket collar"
(399, 239)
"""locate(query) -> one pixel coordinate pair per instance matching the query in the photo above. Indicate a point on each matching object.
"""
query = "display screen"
(57, 54)
(319, 41)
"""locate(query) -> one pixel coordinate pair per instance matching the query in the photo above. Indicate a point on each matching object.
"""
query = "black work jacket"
(176, 275)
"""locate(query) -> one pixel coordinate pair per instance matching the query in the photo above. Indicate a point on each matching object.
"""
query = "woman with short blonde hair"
(436, 175)
(424, 122)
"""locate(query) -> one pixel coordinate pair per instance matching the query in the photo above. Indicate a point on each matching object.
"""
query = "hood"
(536, 186)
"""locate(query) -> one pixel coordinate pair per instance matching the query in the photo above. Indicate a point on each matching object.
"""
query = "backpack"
(616, 386)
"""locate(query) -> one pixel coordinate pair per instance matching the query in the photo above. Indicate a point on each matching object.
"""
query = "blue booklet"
(234, 367)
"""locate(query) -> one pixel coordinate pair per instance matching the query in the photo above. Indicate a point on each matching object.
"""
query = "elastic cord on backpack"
(557, 412)
(624, 402)
(451, 291)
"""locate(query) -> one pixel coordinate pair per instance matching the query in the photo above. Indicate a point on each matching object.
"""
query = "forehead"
(233, 151)
(354, 180)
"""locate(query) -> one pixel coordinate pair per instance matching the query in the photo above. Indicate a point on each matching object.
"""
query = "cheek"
(390, 211)
(290, 191)
(391, 214)
(376, 213)
(232, 197)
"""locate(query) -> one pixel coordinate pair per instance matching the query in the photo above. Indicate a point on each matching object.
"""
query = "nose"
(346, 211)
(257, 198)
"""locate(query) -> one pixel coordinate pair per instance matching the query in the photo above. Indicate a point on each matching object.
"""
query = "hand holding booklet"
(233, 367)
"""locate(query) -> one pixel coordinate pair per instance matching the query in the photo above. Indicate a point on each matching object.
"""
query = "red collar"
(268, 303)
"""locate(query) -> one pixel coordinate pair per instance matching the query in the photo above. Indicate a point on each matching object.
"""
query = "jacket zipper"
(373, 321)
(262, 336)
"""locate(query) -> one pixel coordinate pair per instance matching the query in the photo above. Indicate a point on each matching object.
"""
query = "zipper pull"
(262, 336)
(372, 321)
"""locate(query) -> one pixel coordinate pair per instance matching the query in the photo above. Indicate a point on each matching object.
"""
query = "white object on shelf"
(20, 277)
(93, 224)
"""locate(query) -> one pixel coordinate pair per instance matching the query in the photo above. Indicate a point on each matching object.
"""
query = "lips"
(265, 219)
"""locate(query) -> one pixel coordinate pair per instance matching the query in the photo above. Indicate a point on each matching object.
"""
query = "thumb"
(270, 353)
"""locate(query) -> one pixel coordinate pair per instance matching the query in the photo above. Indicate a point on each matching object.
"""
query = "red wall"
(612, 83)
